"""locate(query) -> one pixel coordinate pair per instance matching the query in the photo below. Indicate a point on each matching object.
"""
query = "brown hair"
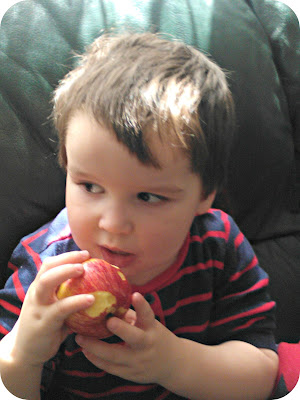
(138, 83)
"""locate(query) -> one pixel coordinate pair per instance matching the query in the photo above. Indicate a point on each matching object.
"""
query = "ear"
(206, 203)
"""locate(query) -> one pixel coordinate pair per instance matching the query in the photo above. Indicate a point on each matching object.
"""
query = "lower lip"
(120, 260)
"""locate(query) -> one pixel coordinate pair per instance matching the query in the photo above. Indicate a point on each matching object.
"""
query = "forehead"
(164, 147)
(92, 145)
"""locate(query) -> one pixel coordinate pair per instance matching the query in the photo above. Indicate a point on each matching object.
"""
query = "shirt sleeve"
(243, 309)
(51, 239)
(22, 271)
(26, 260)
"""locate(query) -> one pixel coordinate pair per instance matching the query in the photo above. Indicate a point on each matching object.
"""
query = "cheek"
(167, 236)
(80, 224)
(81, 233)
(79, 212)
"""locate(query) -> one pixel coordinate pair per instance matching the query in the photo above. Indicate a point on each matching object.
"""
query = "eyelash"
(141, 196)
(88, 187)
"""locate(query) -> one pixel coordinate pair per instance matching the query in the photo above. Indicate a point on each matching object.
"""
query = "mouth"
(116, 256)
(114, 250)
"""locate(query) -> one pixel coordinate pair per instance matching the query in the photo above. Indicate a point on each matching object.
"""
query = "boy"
(145, 129)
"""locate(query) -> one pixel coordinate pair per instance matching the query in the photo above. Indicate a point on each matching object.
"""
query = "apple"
(112, 294)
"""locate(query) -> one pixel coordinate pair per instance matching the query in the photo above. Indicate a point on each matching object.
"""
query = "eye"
(150, 198)
(92, 188)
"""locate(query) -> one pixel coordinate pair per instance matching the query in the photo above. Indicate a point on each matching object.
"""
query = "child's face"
(133, 215)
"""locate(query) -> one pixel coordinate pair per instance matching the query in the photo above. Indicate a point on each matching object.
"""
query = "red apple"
(112, 294)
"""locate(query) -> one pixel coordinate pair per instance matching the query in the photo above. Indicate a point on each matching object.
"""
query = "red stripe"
(194, 268)
(3, 330)
(210, 264)
(13, 309)
(12, 267)
(187, 301)
(238, 274)
(65, 233)
(259, 285)
(18, 287)
(191, 329)
(122, 389)
(217, 234)
(35, 256)
(83, 374)
(249, 323)
(200, 266)
(238, 240)
(226, 222)
(71, 353)
(265, 307)
(163, 395)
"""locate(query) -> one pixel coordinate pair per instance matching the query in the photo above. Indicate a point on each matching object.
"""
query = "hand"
(149, 350)
(40, 329)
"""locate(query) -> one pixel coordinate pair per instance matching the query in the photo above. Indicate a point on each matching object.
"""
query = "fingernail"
(90, 298)
(85, 253)
(79, 268)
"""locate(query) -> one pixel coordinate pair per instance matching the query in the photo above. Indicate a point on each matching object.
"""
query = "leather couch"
(256, 41)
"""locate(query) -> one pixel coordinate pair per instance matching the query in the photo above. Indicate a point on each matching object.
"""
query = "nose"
(115, 219)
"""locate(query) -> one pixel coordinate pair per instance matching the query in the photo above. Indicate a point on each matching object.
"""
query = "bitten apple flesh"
(112, 294)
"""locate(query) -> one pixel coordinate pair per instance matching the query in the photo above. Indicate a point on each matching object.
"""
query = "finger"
(47, 284)
(71, 257)
(117, 369)
(132, 335)
(115, 353)
(144, 314)
(69, 305)
(130, 317)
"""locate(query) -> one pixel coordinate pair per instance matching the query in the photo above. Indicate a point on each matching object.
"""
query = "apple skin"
(112, 294)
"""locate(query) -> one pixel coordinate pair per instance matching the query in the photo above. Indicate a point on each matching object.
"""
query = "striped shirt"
(213, 293)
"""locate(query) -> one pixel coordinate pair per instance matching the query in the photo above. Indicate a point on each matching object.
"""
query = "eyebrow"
(168, 189)
(79, 173)
(165, 189)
